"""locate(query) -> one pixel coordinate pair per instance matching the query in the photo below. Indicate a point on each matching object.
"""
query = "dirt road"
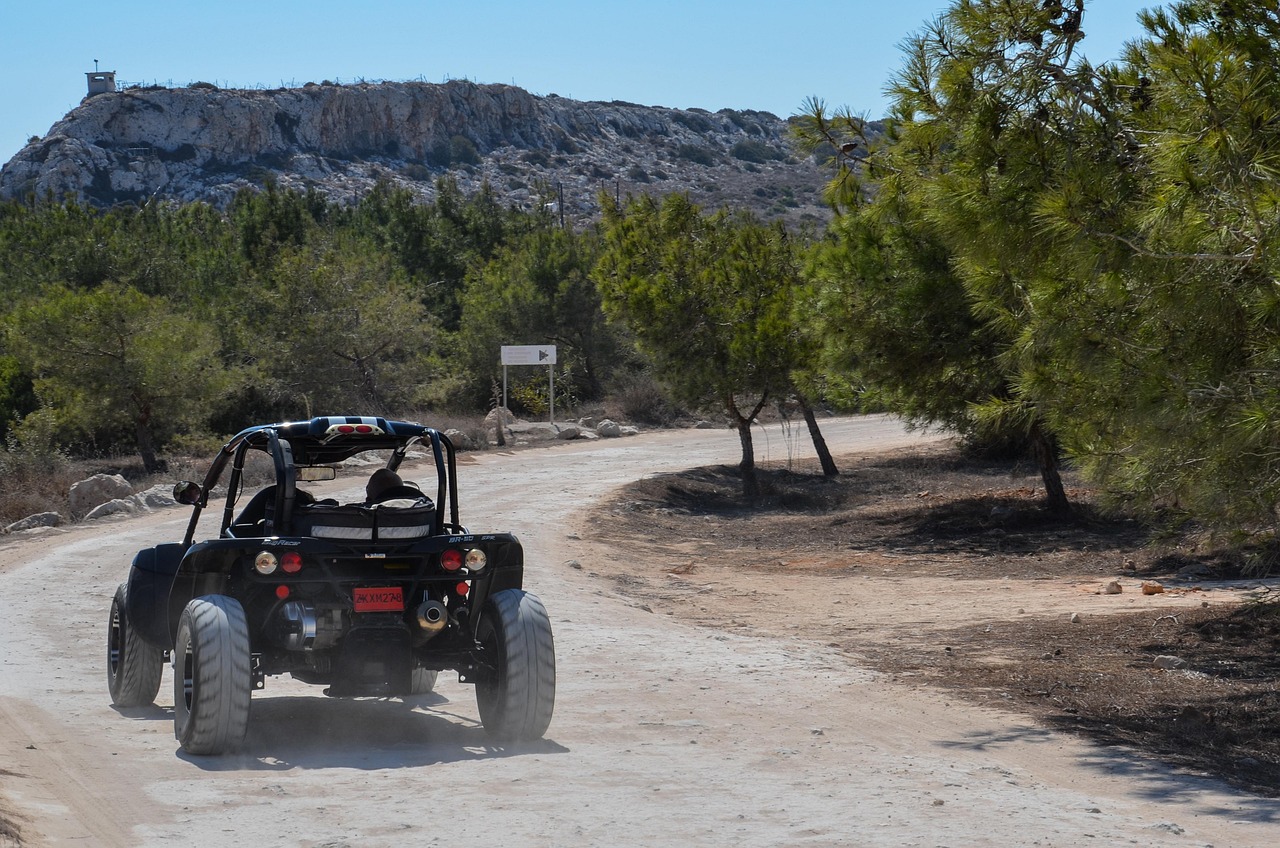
(665, 733)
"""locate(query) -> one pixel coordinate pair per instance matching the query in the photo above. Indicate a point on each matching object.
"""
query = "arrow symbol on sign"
(542, 354)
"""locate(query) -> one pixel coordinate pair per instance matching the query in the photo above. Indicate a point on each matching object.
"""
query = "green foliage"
(696, 154)
(17, 395)
(710, 299)
(751, 150)
(113, 361)
(296, 305)
(1109, 231)
(462, 151)
(536, 290)
(345, 333)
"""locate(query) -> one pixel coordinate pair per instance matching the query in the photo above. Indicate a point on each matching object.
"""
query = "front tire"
(212, 676)
(423, 681)
(517, 699)
(134, 667)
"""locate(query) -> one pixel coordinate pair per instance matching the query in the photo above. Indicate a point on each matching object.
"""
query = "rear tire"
(134, 667)
(517, 700)
(212, 676)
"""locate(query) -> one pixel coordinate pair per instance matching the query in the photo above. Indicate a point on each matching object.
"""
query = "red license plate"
(378, 599)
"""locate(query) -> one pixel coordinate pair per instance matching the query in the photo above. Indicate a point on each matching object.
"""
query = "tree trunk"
(819, 444)
(147, 444)
(747, 467)
(1047, 456)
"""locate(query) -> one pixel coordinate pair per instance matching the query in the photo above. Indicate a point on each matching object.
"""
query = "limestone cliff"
(204, 143)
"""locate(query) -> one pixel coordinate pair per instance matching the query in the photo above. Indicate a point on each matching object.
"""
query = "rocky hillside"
(205, 143)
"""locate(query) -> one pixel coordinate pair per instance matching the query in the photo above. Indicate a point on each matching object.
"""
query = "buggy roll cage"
(322, 441)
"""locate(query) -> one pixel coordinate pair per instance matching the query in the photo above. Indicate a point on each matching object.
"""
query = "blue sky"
(747, 54)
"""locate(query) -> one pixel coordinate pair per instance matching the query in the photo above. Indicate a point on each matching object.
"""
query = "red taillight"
(282, 592)
(349, 429)
(462, 588)
(291, 562)
(451, 560)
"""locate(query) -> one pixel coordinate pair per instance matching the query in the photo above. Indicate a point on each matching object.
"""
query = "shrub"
(33, 478)
(750, 150)
(697, 155)
(462, 151)
(641, 399)
(695, 122)
(417, 171)
(536, 157)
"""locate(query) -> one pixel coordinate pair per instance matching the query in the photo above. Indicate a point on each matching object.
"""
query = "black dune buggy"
(366, 599)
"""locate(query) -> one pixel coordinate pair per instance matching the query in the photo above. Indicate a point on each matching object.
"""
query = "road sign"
(531, 355)
(528, 354)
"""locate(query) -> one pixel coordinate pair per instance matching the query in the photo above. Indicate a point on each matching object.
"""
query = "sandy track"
(664, 733)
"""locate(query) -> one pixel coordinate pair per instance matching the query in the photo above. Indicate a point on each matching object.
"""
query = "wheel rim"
(188, 678)
(490, 682)
(115, 642)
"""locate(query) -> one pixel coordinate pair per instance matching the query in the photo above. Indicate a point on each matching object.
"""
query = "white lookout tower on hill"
(100, 82)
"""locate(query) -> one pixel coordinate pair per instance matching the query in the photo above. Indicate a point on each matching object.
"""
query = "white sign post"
(531, 355)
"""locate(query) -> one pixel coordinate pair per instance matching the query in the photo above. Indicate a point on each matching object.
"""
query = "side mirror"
(186, 492)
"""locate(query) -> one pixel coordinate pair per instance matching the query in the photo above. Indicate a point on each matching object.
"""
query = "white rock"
(499, 414)
(460, 440)
(98, 489)
(114, 507)
(40, 519)
(1169, 662)
(609, 429)
(159, 496)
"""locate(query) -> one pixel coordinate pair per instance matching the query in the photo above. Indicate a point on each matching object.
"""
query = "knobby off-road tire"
(423, 681)
(212, 677)
(134, 667)
(517, 700)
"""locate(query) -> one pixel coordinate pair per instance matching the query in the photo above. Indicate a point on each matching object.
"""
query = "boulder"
(499, 415)
(609, 429)
(461, 440)
(569, 432)
(97, 490)
(31, 522)
(159, 496)
(115, 507)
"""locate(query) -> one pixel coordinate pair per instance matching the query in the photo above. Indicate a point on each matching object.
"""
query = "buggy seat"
(383, 522)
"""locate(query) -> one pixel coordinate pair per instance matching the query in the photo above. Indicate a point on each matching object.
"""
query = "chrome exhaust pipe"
(431, 617)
